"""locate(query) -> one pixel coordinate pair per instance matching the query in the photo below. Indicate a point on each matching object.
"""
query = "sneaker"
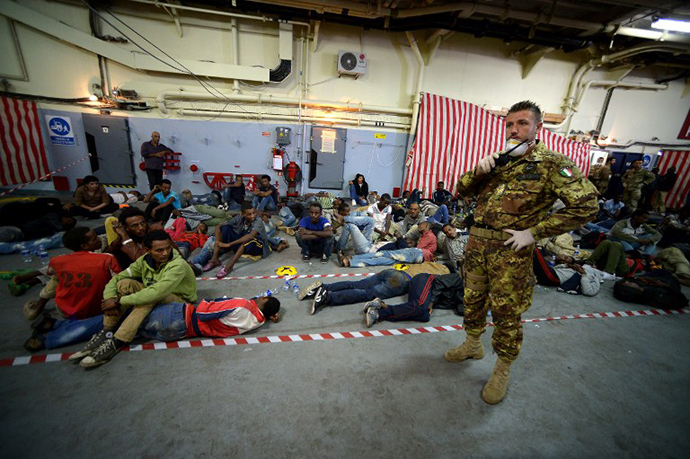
(324, 259)
(95, 342)
(309, 291)
(31, 309)
(305, 257)
(375, 303)
(371, 316)
(103, 354)
(320, 298)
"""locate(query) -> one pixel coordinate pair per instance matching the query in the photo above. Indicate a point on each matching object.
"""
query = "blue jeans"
(322, 245)
(273, 240)
(648, 249)
(441, 216)
(386, 284)
(165, 322)
(361, 229)
(232, 204)
(208, 199)
(357, 199)
(287, 216)
(51, 242)
(68, 332)
(417, 306)
(265, 203)
(206, 253)
(387, 257)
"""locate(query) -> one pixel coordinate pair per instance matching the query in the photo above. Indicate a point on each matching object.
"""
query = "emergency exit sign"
(685, 130)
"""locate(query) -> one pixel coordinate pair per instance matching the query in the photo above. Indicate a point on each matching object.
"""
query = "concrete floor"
(581, 388)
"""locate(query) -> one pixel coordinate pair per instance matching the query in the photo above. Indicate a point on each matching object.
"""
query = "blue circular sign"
(59, 126)
(646, 160)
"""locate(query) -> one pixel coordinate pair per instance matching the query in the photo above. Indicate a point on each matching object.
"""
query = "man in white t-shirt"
(381, 212)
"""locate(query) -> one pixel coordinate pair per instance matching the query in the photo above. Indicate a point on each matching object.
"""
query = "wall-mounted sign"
(379, 136)
(328, 141)
(60, 130)
(266, 134)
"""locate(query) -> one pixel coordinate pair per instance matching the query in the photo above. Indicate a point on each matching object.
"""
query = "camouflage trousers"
(497, 278)
(631, 197)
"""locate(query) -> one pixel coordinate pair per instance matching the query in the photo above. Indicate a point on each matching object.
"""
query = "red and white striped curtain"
(453, 135)
(681, 159)
(23, 156)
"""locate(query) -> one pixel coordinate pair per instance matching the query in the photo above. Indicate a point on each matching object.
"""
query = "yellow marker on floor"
(286, 271)
(401, 266)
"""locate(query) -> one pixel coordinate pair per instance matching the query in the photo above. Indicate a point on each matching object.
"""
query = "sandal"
(210, 265)
(35, 343)
(222, 272)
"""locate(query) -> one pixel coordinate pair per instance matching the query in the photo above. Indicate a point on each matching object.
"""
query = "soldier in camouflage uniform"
(633, 181)
(513, 203)
(601, 175)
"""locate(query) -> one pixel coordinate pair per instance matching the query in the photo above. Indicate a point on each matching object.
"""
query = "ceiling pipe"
(418, 91)
(235, 52)
(570, 104)
(219, 13)
(165, 95)
(316, 119)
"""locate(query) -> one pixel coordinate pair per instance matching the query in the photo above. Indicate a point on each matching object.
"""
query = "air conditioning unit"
(350, 63)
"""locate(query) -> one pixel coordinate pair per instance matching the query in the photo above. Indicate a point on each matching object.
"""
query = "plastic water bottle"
(267, 293)
(295, 289)
(26, 256)
(576, 255)
(286, 286)
(44, 257)
(552, 260)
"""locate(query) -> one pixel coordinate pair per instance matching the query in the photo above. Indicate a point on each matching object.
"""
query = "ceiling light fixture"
(672, 24)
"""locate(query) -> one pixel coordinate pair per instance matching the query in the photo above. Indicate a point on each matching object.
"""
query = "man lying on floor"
(219, 318)
(423, 252)
(160, 276)
(388, 283)
(427, 291)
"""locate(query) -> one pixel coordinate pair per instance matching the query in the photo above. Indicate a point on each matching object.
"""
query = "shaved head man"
(153, 152)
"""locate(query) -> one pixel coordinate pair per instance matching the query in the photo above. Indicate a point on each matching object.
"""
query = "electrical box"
(283, 135)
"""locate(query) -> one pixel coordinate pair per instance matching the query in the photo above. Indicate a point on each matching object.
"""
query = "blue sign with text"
(60, 128)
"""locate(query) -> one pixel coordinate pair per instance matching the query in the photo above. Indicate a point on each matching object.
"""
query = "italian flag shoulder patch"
(566, 172)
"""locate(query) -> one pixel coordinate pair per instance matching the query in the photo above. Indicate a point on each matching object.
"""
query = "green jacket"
(174, 276)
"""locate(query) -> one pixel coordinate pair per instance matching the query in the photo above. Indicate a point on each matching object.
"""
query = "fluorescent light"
(672, 24)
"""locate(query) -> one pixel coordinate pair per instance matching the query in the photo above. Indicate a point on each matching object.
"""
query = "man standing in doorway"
(513, 204)
(153, 152)
(633, 181)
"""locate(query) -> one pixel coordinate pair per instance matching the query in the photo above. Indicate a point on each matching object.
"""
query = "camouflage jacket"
(519, 195)
(633, 179)
(600, 173)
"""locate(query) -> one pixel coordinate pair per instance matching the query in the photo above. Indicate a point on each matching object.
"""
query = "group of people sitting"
(139, 278)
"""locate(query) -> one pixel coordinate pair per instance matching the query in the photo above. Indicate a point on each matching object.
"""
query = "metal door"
(107, 139)
(327, 158)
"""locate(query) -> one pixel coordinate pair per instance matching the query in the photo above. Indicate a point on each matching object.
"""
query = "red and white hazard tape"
(304, 276)
(45, 176)
(210, 342)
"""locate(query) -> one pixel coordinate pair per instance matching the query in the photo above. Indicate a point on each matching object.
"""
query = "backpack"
(658, 289)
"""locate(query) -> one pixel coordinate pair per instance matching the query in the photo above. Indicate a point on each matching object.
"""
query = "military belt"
(490, 234)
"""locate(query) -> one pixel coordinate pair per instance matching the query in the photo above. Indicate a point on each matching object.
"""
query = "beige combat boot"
(471, 349)
(495, 389)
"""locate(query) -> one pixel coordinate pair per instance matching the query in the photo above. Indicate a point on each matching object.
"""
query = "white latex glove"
(520, 239)
(486, 164)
